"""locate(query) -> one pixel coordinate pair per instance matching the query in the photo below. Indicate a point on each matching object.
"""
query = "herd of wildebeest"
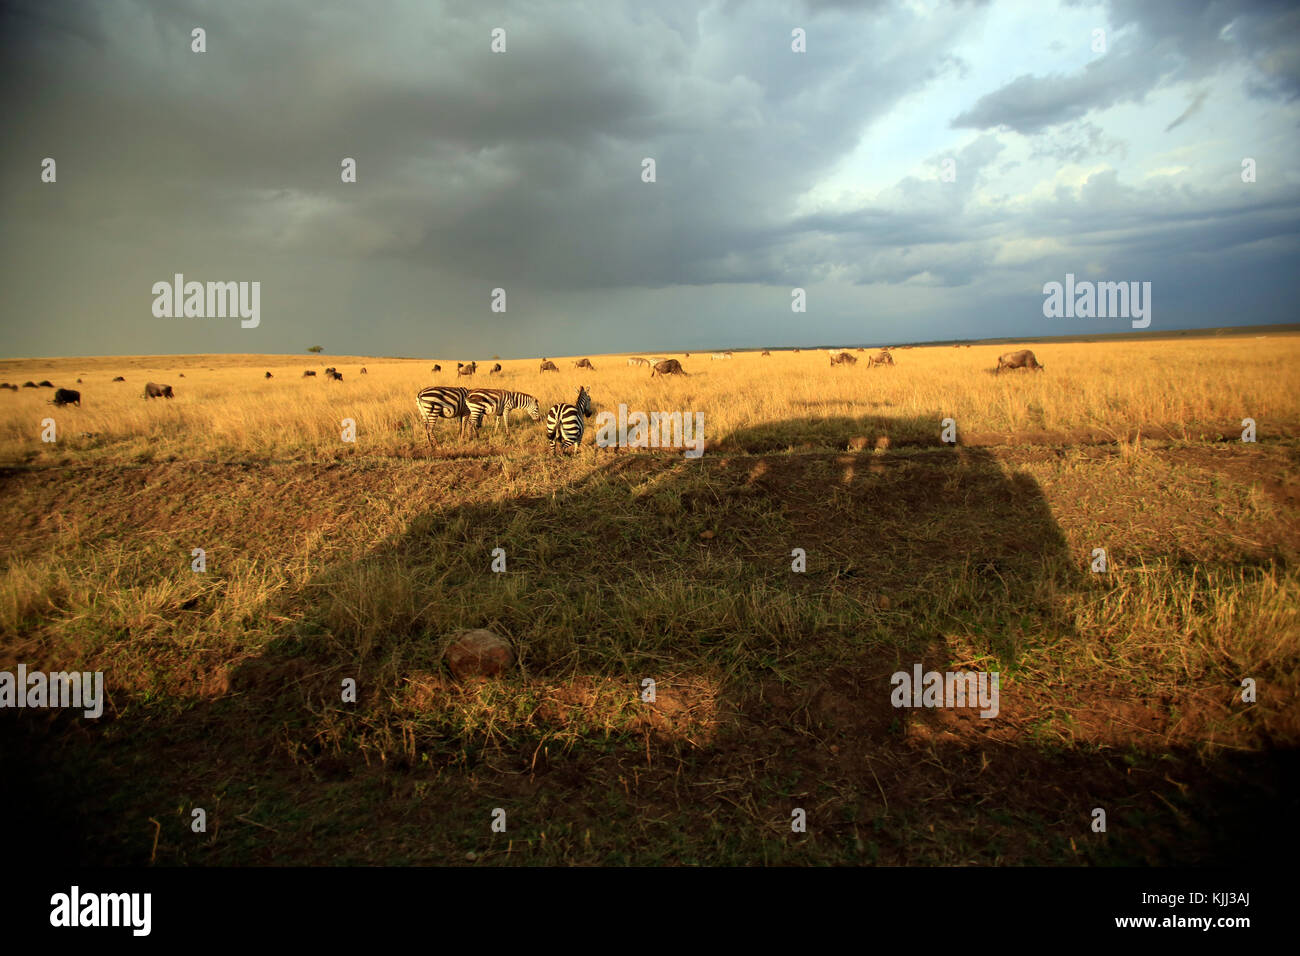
(1023, 358)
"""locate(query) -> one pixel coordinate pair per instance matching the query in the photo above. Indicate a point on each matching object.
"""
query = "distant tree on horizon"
(317, 349)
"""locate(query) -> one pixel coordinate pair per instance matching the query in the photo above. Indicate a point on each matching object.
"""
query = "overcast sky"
(522, 170)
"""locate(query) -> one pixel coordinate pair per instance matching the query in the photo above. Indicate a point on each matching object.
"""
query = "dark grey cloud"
(523, 170)
(1167, 41)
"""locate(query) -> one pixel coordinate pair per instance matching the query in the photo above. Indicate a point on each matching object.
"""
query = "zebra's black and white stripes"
(564, 422)
(441, 401)
(498, 403)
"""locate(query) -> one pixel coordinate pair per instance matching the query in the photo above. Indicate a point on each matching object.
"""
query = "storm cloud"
(921, 169)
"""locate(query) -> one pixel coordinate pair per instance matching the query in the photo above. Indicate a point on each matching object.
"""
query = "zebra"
(441, 401)
(564, 422)
(499, 402)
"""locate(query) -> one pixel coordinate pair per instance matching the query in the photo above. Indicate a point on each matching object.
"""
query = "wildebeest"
(307, 374)
(363, 370)
(29, 384)
(1022, 359)
(844, 358)
(880, 358)
(119, 379)
(584, 363)
(548, 366)
(766, 352)
(66, 396)
(495, 368)
(667, 367)
(796, 350)
(12, 388)
(78, 381)
(45, 383)
(181, 374)
(463, 369)
(268, 375)
(437, 368)
(157, 391)
(333, 375)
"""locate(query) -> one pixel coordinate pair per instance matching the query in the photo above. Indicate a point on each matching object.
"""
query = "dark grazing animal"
(463, 369)
(880, 358)
(363, 370)
(667, 367)
(29, 384)
(45, 383)
(584, 363)
(548, 366)
(268, 375)
(119, 379)
(564, 422)
(66, 396)
(844, 358)
(437, 368)
(78, 381)
(441, 401)
(498, 403)
(157, 391)
(861, 350)
(495, 368)
(333, 375)
(1022, 359)
(12, 388)
(181, 374)
(308, 374)
(766, 352)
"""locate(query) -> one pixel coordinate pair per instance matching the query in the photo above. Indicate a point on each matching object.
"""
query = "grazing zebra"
(498, 402)
(564, 422)
(441, 401)
(638, 361)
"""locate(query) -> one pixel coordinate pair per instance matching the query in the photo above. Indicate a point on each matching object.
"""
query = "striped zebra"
(498, 403)
(564, 422)
(441, 401)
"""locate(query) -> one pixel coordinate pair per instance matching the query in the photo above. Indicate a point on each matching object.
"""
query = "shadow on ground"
(773, 686)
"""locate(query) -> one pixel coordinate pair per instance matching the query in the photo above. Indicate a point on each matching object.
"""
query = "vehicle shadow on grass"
(772, 685)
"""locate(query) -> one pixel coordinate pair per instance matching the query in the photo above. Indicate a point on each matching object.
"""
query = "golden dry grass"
(225, 408)
(329, 560)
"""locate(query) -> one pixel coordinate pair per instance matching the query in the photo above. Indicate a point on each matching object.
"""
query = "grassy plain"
(329, 560)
